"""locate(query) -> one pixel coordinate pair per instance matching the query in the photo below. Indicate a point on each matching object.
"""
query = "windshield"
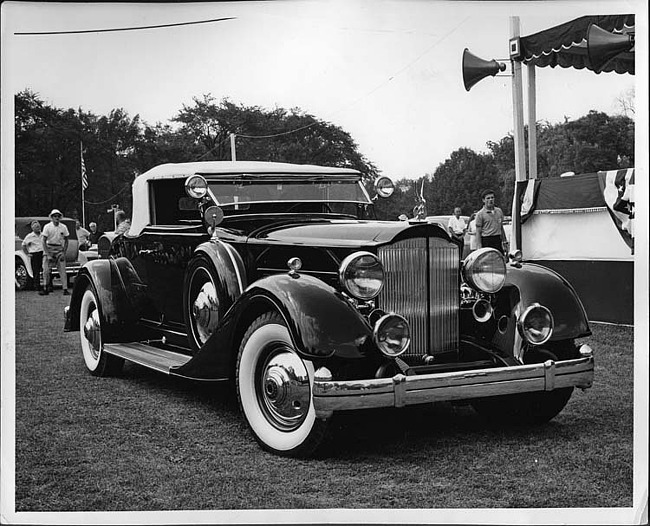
(240, 194)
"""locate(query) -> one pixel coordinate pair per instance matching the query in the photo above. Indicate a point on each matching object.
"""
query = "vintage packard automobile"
(278, 277)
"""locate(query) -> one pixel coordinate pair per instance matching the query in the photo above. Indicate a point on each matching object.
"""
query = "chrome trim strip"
(408, 390)
(229, 249)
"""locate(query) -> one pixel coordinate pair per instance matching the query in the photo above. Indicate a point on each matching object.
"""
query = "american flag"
(84, 176)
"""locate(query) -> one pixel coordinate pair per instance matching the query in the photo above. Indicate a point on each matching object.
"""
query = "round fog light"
(392, 334)
(536, 324)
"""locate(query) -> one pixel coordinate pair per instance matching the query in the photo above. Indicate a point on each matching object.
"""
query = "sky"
(386, 71)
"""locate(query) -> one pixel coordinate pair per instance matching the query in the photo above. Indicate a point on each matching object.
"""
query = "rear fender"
(538, 284)
(120, 293)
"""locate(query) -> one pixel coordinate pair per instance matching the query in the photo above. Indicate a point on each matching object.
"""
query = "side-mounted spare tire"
(203, 301)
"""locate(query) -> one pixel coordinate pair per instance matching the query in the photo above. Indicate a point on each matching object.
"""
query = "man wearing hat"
(55, 244)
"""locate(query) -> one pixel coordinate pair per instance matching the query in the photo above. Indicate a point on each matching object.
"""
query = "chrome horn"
(482, 310)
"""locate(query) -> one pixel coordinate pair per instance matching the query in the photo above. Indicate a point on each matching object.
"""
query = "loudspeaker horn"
(602, 46)
(475, 69)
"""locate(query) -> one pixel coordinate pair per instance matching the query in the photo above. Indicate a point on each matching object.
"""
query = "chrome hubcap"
(284, 390)
(92, 331)
(21, 275)
(205, 310)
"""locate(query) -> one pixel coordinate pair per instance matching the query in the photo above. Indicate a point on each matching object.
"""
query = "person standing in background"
(83, 236)
(123, 222)
(457, 228)
(55, 245)
(95, 234)
(489, 225)
(33, 246)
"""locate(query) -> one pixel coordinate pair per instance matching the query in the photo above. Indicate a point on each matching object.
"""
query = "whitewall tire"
(274, 388)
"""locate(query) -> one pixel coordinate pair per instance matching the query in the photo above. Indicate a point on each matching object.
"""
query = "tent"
(566, 45)
(582, 226)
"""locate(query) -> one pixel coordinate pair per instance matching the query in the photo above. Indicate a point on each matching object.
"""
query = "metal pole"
(532, 123)
(233, 153)
(520, 153)
(83, 192)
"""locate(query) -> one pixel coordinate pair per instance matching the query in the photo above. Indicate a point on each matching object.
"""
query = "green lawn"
(145, 441)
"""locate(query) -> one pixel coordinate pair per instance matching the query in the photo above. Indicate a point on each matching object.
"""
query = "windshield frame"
(289, 179)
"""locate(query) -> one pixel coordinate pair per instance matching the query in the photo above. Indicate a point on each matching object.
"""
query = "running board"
(147, 355)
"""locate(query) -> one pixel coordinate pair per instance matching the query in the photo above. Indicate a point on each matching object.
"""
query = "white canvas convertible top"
(140, 189)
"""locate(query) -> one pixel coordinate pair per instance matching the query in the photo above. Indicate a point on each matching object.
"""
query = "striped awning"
(566, 45)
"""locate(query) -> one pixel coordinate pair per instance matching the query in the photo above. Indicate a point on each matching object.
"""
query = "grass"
(145, 441)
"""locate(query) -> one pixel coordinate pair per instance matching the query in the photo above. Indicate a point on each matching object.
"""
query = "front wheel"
(274, 388)
(97, 361)
(528, 408)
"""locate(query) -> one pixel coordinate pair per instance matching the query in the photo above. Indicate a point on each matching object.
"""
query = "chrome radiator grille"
(422, 285)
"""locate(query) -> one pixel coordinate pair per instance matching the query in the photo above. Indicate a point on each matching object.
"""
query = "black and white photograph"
(324, 262)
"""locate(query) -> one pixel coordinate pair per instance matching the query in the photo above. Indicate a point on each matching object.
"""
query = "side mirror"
(213, 216)
(384, 187)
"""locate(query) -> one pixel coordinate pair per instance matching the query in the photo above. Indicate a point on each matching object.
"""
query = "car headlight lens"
(196, 186)
(384, 187)
(362, 275)
(485, 270)
(536, 324)
(392, 334)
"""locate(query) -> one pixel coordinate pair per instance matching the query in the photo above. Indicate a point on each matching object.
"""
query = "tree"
(460, 180)
(278, 135)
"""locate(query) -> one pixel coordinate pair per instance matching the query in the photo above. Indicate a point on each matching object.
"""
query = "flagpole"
(83, 185)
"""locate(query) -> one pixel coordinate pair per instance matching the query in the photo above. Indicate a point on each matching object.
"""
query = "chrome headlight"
(384, 187)
(536, 324)
(392, 334)
(362, 275)
(485, 270)
(196, 186)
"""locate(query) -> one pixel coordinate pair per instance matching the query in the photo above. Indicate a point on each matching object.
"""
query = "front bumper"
(401, 390)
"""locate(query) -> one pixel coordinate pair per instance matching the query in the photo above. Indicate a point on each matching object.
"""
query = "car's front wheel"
(22, 276)
(529, 408)
(274, 387)
(97, 361)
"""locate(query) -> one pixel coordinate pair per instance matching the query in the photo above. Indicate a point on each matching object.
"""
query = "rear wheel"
(274, 388)
(529, 408)
(97, 361)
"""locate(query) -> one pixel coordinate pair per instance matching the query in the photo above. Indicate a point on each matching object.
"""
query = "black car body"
(277, 276)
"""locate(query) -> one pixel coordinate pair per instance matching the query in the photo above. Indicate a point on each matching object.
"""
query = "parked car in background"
(276, 277)
(24, 274)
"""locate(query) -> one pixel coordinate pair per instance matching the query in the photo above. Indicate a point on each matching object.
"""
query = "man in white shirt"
(33, 246)
(457, 228)
(55, 245)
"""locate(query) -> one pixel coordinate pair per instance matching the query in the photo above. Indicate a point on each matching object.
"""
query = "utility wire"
(109, 199)
(81, 31)
(389, 79)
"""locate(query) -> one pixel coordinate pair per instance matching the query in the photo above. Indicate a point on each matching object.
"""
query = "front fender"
(538, 284)
(320, 321)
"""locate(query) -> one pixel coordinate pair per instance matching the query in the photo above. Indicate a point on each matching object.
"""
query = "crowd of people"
(47, 247)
